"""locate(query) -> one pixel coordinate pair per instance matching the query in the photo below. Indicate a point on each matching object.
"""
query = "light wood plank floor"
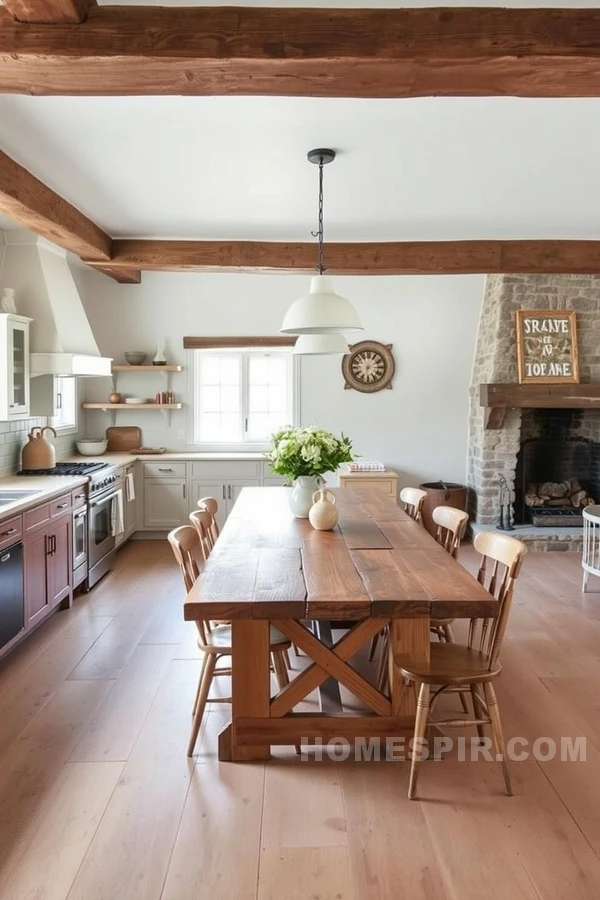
(99, 802)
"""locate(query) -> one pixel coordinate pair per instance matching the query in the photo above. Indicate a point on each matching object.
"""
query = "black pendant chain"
(319, 234)
(321, 158)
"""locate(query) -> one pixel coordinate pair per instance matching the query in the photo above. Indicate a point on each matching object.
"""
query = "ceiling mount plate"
(322, 156)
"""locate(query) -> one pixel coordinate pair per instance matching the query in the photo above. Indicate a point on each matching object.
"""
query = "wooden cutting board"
(123, 438)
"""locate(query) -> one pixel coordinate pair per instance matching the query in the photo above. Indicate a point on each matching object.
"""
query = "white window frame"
(66, 429)
(244, 352)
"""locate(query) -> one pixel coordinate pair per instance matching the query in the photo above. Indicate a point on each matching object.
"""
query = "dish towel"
(129, 487)
(116, 515)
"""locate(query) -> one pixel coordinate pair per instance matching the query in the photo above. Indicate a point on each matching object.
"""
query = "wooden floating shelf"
(109, 406)
(127, 368)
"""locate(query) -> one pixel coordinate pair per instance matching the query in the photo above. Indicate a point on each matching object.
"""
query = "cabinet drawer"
(60, 505)
(79, 497)
(165, 469)
(385, 485)
(11, 530)
(223, 470)
(37, 516)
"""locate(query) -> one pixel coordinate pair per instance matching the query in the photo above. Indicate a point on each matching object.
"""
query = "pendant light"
(321, 311)
(321, 344)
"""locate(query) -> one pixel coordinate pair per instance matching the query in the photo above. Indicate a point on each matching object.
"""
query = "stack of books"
(365, 465)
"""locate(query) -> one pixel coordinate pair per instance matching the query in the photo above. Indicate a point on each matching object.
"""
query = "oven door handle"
(104, 499)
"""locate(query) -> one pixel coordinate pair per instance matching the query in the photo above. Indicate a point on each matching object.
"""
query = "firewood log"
(577, 499)
(533, 500)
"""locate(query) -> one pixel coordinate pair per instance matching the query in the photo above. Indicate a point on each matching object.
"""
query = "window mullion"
(245, 402)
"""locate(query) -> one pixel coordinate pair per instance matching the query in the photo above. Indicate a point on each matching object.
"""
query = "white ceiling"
(235, 167)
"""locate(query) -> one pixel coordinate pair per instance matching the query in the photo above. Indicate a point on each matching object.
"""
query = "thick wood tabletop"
(269, 565)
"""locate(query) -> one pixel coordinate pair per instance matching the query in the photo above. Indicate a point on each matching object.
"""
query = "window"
(242, 396)
(65, 404)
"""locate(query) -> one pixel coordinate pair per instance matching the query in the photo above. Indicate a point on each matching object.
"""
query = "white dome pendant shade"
(320, 344)
(321, 311)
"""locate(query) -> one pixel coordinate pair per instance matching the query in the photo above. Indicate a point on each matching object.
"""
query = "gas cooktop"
(67, 468)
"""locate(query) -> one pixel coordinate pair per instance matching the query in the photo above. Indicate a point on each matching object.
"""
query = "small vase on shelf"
(159, 357)
(301, 498)
(7, 302)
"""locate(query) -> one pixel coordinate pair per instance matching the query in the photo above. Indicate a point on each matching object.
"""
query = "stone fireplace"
(539, 447)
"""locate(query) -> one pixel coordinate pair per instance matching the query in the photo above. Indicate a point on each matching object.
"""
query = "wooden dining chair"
(212, 506)
(413, 499)
(201, 519)
(471, 667)
(451, 527)
(214, 640)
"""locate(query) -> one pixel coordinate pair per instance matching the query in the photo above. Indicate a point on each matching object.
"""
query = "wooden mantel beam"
(392, 258)
(452, 51)
(33, 205)
(49, 11)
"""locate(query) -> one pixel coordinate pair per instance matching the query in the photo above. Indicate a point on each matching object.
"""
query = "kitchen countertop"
(47, 486)
(122, 459)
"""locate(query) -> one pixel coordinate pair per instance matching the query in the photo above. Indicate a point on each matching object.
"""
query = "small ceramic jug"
(323, 513)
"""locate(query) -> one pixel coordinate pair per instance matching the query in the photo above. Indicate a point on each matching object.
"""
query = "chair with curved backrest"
(451, 527)
(212, 506)
(467, 668)
(413, 499)
(201, 519)
(214, 639)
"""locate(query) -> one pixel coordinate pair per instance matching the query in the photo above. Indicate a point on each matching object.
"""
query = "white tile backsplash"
(13, 437)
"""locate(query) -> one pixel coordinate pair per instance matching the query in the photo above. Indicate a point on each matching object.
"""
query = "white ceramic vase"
(7, 302)
(301, 498)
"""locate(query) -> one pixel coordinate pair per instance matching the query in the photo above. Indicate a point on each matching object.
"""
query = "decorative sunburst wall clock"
(368, 367)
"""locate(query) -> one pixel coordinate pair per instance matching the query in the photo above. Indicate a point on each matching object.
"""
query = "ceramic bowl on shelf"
(135, 357)
(91, 446)
(138, 400)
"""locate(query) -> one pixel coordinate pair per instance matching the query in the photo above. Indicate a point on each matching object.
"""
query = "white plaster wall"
(419, 427)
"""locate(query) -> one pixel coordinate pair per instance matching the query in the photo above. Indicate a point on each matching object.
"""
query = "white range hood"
(60, 338)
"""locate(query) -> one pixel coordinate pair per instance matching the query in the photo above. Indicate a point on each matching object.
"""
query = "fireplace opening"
(558, 470)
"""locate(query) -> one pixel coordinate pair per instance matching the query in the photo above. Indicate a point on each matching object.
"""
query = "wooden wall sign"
(547, 347)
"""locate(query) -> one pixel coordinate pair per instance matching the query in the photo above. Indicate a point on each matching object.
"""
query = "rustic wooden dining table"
(377, 568)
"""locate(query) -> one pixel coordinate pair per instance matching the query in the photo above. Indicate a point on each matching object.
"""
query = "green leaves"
(307, 451)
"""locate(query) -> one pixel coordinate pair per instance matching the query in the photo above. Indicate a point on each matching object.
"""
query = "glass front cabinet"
(14, 367)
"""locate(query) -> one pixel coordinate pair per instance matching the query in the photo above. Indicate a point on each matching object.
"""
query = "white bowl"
(93, 447)
(138, 400)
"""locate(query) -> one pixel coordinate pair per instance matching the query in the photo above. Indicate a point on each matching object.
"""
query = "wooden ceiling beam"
(30, 203)
(120, 273)
(389, 258)
(463, 52)
(49, 11)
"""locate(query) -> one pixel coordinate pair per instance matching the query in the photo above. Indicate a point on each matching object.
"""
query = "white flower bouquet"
(296, 452)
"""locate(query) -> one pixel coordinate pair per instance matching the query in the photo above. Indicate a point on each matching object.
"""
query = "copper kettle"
(38, 453)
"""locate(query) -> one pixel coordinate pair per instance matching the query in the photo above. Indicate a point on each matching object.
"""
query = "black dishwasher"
(12, 614)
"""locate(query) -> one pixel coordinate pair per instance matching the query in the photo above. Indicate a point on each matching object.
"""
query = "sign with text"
(547, 347)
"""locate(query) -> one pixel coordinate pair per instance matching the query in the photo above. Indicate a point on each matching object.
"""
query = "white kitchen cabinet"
(216, 489)
(14, 367)
(224, 492)
(165, 502)
(234, 489)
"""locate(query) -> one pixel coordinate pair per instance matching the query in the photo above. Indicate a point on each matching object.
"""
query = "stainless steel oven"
(101, 524)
